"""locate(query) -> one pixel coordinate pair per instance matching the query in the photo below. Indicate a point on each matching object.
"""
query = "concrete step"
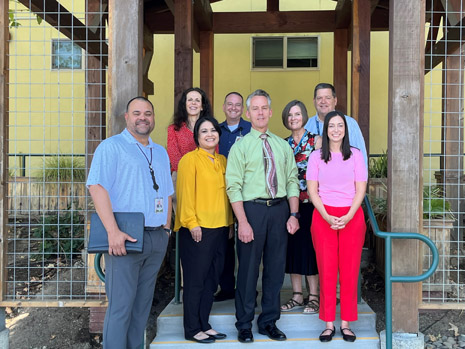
(300, 329)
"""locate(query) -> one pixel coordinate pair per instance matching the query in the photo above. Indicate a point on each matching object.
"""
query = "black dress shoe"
(217, 336)
(327, 337)
(245, 336)
(273, 333)
(223, 296)
(348, 337)
(207, 340)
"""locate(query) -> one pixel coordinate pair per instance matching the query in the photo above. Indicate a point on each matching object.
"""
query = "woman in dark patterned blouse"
(301, 259)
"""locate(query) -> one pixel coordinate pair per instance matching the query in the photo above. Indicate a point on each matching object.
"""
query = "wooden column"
(125, 58)
(360, 105)
(148, 88)
(405, 157)
(206, 63)
(183, 55)
(452, 132)
(340, 68)
(4, 33)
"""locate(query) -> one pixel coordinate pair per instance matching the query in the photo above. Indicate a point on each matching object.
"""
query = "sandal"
(292, 303)
(313, 305)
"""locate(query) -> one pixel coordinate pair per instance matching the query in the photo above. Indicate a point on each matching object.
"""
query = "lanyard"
(317, 126)
(152, 173)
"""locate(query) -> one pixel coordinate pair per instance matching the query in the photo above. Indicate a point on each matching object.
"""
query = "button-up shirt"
(228, 138)
(245, 172)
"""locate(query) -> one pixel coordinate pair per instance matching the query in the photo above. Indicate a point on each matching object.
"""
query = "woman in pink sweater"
(336, 181)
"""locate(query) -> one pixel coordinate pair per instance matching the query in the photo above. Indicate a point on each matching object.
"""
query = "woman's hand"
(196, 234)
(231, 231)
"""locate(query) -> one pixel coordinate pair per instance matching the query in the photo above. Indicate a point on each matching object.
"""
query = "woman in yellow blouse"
(203, 219)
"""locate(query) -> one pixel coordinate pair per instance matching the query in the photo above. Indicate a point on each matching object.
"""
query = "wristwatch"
(169, 231)
(295, 214)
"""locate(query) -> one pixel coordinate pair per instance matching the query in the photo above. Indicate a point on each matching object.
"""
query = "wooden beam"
(170, 5)
(360, 104)
(159, 23)
(380, 19)
(450, 42)
(147, 84)
(454, 11)
(61, 19)
(274, 22)
(207, 64)
(203, 14)
(405, 156)
(343, 13)
(4, 121)
(272, 5)
(340, 68)
(125, 58)
(183, 31)
(433, 31)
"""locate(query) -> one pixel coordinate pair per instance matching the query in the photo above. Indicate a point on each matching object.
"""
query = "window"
(66, 55)
(285, 52)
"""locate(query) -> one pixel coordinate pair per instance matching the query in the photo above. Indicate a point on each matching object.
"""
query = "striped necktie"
(270, 168)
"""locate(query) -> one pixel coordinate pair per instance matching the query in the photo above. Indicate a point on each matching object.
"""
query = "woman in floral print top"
(301, 258)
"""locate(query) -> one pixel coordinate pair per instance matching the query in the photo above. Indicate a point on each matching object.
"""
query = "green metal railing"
(389, 278)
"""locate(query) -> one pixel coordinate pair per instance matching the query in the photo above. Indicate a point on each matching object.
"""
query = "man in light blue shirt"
(130, 173)
(325, 100)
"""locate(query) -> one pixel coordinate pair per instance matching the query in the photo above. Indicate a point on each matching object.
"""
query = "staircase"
(301, 330)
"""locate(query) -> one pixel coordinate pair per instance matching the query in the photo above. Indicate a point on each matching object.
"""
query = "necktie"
(270, 168)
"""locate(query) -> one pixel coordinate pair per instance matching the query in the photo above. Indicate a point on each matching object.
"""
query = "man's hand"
(245, 232)
(196, 233)
(292, 225)
(116, 243)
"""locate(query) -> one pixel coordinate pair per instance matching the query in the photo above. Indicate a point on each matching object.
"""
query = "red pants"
(338, 251)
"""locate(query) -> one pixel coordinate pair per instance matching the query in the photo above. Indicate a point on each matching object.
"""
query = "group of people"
(292, 204)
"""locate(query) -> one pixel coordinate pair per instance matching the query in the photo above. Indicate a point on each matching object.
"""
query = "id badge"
(158, 205)
(238, 138)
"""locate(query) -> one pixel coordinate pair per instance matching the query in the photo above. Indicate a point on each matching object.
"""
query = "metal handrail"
(389, 278)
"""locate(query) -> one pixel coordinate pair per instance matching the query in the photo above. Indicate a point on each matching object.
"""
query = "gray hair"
(256, 93)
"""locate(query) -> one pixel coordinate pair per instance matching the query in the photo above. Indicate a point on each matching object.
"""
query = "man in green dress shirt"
(265, 216)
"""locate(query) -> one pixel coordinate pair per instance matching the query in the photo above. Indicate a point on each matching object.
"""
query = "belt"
(268, 202)
(153, 228)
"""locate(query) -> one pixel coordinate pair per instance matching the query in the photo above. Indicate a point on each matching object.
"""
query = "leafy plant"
(64, 169)
(60, 235)
(378, 167)
(435, 206)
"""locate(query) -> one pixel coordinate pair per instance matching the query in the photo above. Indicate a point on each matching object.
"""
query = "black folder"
(131, 223)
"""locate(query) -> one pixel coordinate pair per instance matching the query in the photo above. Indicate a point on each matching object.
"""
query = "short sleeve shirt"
(119, 166)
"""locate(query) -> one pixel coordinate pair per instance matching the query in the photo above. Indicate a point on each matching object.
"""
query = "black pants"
(202, 263)
(227, 279)
(270, 242)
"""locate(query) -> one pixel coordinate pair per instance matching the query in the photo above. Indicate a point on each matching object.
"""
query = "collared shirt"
(356, 140)
(245, 173)
(201, 191)
(120, 167)
(228, 138)
(179, 143)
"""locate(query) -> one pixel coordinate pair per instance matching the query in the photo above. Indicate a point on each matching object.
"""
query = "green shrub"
(64, 169)
(378, 167)
(60, 235)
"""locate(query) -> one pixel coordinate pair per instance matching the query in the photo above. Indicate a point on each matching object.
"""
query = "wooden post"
(125, 58)
(405, 157)
(183, 55)
(360, 105)
(206, 63)
(452, 132)
(4, 33)
(340, 68)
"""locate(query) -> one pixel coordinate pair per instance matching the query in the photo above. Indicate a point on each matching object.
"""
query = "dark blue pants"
(270, 243)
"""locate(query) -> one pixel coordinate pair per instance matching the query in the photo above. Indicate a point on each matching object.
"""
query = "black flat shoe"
(348, 337)
(273, 333)
(245, 336)
(217, 336)
(327, 337)
(207, 340)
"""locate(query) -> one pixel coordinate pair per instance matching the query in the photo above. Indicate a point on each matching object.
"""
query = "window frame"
(285, 39)
(53, 55)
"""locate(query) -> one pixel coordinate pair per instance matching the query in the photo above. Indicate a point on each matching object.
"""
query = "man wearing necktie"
(262, 186)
